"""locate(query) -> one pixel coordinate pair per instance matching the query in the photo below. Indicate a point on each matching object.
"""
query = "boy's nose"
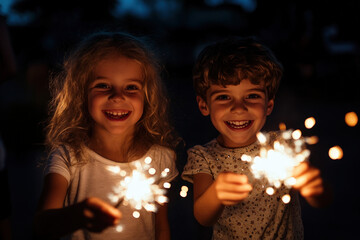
(238, 106)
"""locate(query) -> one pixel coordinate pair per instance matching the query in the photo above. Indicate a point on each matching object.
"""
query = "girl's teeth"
(117, 113)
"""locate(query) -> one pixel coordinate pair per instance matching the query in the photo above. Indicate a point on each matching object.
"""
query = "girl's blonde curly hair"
(70, 123)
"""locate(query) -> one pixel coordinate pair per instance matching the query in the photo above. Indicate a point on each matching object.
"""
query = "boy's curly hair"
(230, 61)
(70, 122)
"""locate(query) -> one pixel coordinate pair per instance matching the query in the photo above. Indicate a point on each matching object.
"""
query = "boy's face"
(238, 112)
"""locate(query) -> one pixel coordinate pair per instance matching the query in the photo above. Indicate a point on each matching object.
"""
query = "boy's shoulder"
(200, 147)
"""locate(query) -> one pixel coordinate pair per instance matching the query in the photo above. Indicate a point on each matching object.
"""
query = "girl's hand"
(98, 215)
(311, 185)
(232, 188)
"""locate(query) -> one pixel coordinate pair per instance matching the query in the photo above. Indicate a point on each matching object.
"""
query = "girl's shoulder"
(158, 151)
(66, 154)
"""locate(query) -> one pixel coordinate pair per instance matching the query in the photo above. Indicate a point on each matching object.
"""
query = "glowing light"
(139, 189)
(119, 228)
(167, 185)
(296, 134)
(286, 198)
(310, 122)
(278, 158)
(351, 119)
(184, 190)
(312, 140)
(147, 160)
(270, 191)
(282, 126)
(336, 153)
(152, 171)
(183, 194)
(136, 214)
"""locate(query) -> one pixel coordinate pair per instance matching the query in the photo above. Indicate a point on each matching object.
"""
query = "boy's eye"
(253, 96)
(222, 97)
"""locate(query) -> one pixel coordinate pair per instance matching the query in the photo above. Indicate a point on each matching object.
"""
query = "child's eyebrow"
(140, 81)
(259, 89)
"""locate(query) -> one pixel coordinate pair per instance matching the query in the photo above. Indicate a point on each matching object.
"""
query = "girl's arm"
(162, 228)
(52, 220)
(211, 196)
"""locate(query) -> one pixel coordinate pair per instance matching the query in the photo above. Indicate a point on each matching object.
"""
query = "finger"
(301, 169)
(307, 177)
(233, 178)
(314, 188)
(232, 198)
(234, 188)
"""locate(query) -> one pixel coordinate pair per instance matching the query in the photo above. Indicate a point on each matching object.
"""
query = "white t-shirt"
(93, 179)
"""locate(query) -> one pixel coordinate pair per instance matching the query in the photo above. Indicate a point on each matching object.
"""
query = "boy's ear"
(202, 106)
(270, 107)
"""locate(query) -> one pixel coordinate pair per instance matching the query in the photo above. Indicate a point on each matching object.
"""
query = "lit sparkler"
(277, 160)
(139, 189)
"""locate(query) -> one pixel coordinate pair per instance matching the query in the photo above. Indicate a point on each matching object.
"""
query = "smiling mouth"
(238, 124)
(112, 115)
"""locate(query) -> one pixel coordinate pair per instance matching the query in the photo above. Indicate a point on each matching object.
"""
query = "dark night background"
(316, 41)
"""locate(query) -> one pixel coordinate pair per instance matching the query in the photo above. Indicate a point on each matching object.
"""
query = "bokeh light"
(310, 122)
(336, 153)
(351, 119)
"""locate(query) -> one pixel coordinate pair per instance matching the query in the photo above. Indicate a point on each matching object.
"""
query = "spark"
(282, 126)
(351, 119)
(139, 190)
(286, 198)
(184, 190)
(336, 153)
(277, 159)
(309, 122)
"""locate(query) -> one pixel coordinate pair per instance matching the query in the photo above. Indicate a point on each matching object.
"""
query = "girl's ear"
(270, 107)
(204, 109)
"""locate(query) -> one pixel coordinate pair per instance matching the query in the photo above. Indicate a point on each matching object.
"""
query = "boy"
(235, 81)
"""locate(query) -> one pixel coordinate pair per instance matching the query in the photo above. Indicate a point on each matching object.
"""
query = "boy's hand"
(98, 215)
(311, 185)
(232, 188)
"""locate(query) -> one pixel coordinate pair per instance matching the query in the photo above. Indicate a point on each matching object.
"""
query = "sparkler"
(139, 190)
(277, 159)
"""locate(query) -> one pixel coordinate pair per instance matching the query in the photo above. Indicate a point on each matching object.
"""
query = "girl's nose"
(117, 95)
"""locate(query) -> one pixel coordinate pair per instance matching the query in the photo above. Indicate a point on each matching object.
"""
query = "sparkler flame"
(139, 189)
(277, 160)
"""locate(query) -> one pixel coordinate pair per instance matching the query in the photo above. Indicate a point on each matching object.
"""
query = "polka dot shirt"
(260, 216)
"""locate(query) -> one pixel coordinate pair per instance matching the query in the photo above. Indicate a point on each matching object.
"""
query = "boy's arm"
(211, 196)
(52, 220)
(311, 185)
(162, 228)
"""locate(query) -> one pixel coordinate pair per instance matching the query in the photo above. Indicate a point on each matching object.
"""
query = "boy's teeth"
(238, 124)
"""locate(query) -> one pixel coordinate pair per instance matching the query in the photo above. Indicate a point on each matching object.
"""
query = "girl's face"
(116, 96)
(238, 112)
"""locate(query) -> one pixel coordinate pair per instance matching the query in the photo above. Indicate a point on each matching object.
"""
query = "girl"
(106, 111)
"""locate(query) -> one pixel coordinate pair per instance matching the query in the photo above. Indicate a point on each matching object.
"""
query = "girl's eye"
(132, 87)
(222, 97)
(102, 86)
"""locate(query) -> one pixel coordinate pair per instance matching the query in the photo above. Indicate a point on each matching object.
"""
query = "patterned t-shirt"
(260, 216)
